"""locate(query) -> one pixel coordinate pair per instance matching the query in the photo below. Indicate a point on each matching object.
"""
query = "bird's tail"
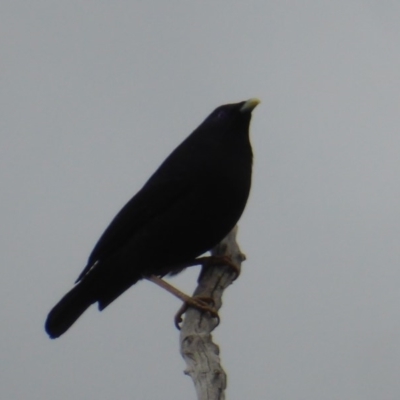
(67, 311)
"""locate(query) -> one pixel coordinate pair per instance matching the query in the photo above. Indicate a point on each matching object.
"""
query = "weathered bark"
(197, 348)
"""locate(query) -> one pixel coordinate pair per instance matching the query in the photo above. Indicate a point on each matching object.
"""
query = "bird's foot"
(201, 303)
(212, 261)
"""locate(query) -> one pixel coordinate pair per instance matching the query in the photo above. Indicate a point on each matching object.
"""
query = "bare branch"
(197, 348)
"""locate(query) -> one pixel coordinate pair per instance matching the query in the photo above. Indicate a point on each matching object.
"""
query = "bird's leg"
(169, 288)
(205, 262)
(199, 302)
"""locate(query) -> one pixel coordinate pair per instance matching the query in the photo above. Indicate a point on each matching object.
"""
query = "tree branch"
(197, 348)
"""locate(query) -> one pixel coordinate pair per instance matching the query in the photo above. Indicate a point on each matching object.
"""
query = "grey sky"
(95, 94)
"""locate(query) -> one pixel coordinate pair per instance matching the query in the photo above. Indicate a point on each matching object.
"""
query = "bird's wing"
(151, 201)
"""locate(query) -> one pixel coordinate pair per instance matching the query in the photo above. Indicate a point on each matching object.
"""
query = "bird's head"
(230, 117)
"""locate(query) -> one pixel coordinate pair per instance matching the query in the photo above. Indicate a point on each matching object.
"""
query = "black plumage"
(187, 206)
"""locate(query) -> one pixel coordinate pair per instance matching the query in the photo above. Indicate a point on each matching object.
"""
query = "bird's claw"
(222, 260)
(200, 303)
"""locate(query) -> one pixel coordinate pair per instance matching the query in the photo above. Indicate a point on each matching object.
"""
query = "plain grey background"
(95, 94)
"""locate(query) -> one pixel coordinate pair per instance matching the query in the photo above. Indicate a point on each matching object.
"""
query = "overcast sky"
(95, 94)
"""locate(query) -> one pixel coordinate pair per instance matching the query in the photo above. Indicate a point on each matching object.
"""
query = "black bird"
(188, 206)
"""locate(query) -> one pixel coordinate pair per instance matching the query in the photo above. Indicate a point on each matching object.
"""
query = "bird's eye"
(221, 114)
